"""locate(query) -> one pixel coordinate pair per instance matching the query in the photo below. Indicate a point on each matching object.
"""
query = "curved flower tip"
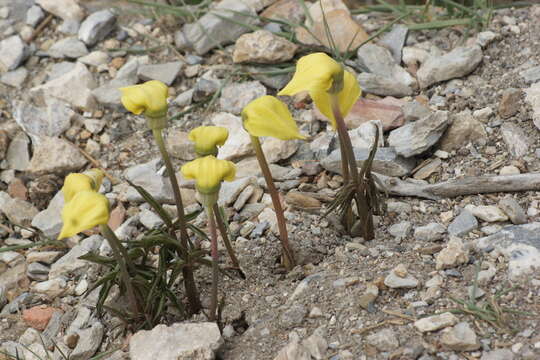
(346, 98)
(85, 210)
(76, 182)
(149, 98)
(268, 116)
(208, 138)
(208, 173)
(314, 72)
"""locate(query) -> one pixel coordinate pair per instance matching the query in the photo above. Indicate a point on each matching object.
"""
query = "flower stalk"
(225, 236)
(187, 271)
(288, 258)
(215, 259)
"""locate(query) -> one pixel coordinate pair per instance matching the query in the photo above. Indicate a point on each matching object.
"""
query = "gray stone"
(65, 9)
(463, 130)
(89, 342)
(95, 58)
(488, 213)
(386, 161)
(415, 138)
(514, 211)
(239, 142)
(463, 224)
(400, 230)
(499, 354)
(51, 121)
(70, 48)
(517, 142)
(520, 244)
(54, 155)
(229, 191)
(59, 69)
(69, 27)
(198, 341)
(457, 63)
(399, 278)
(13, 51)
(15, 78)
(430, 232)
(185, 98)
(18, 153)
(97, 26)
(485, 38)
(49, 220)
(394, 40)
(165, 73)
(51, 288)
(454, 254)
(263, 47)
(235, 97)
(414, 110)
(17, 211)
(382, 85)
(37, 271)
(146, 175)
(34, 15)
(293, 316)
(531, 75)
(378, 61)
(74, 87)
(70, 264)
(460, 338)
(211, 30)
(150, 219)
(533, 98)
(384, 340)
(364, 135)
(109, 95)
(436, 322)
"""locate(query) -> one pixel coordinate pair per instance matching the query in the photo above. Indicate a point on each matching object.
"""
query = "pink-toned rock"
(38, 317)
(117, 216)
(288, 10)
(387, 110)
(347, 33)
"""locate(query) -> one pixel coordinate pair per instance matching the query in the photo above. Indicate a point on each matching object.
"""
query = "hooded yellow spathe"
(268, 116)
(208, 173)
(75, 182)
(84, 211)
(149, 99)
(208, 138)
(320, 75)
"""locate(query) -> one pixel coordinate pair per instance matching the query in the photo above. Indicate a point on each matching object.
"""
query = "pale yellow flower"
(208, 173)
(267, 116)
(75, 182)
(84, 211)
(208, 138)
(149, 98)
(321, 76)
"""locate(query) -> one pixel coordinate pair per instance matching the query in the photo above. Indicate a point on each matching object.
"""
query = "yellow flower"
(321, 76)
(84, 211)
(76, 182)
(208, 138)
(208, 173)
(267, 116)
(149, 98)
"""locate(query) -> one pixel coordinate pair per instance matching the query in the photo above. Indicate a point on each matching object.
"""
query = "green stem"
(187, 271)
(122, 257)
(225, 236)
(288, 257)
(215, 258)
